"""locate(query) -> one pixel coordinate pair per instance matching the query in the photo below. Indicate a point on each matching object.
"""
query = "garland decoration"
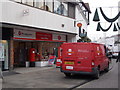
(118, 26)
(96, 16)
(108, 19)
(115, 29)
(100, 28)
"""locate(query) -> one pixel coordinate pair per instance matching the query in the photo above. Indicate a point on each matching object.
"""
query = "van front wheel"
(97, 74)
(67, 74)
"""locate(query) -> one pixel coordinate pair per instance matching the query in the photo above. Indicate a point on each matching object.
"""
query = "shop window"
(49, 5)
(39, 4)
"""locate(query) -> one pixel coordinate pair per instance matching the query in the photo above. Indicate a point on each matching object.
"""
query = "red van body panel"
(83, 57)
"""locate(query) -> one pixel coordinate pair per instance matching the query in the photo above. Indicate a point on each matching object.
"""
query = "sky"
(110, 8)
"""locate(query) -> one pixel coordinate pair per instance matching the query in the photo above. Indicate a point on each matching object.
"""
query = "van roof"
(83, 43)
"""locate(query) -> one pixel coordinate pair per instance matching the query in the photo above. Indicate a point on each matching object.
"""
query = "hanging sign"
(79, 24)
(1, 52)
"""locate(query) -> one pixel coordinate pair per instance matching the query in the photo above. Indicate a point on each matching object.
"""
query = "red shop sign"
(43, 36)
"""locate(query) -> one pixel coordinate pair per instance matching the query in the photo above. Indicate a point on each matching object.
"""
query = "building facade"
(112, 43)
(39, 27)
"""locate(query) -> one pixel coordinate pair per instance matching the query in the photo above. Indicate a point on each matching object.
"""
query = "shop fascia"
(32, 35)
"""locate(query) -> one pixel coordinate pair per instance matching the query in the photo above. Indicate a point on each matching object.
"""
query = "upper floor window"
(49, 5)
(60, 8)
(71, 10)
(64, 9)
(17, 0)
(28, 2)
(39, 4)
(56, 6)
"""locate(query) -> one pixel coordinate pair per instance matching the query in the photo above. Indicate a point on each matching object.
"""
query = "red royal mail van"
(83, 58)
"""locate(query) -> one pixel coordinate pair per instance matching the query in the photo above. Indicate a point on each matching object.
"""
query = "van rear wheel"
(107, 69)
(67, 74)
(97, 74)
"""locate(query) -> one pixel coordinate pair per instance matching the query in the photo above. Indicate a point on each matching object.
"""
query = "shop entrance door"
(20, 54)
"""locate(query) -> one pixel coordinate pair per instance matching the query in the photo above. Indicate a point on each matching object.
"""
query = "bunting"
(108, 19)
(96, 16)
(100, 28)
(115, 28)
(118, 26)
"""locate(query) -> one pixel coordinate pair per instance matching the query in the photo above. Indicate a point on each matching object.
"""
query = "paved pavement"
(43, 78)
(107, 80)
(51, 77)
(30, 69)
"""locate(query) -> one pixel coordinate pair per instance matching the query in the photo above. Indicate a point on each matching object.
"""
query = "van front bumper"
(94, 71)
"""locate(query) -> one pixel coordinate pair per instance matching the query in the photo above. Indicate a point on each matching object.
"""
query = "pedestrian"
(118, 58)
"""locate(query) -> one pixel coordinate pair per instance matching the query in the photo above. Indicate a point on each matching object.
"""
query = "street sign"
(79, 24)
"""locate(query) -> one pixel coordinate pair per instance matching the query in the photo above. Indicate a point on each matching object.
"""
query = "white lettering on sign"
(83, 50)
(98, 50)
(24, 34)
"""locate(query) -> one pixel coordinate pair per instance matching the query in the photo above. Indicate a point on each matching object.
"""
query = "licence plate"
(69, 67)
(71, 63)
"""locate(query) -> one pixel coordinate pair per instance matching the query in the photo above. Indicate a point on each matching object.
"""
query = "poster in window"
(1, 52)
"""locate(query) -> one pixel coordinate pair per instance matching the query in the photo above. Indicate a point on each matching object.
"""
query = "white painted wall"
(110, 41)
(13, 13)
(107, 41)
